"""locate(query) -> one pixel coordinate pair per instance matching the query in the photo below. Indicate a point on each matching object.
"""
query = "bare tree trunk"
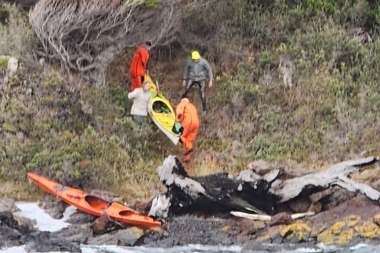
(86, 35)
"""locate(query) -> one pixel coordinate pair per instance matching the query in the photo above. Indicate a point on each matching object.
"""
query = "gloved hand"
(177, 128)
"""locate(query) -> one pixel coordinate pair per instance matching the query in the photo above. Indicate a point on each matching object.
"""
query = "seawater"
(44, 222)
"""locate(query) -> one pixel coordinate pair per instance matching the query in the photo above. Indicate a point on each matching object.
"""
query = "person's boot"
(186, 157)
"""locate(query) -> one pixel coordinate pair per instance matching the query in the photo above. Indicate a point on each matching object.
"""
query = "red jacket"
(139, 62)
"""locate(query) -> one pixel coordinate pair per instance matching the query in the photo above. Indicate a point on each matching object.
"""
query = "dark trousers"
(201, 85)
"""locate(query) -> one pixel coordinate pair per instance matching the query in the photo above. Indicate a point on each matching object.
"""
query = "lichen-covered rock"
(376, 219)
(297, 232)
(368, 230)
(345, 231)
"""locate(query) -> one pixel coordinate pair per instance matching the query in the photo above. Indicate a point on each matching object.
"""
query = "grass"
(83, 136)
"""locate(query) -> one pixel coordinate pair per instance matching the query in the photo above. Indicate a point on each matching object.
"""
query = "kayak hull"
(93, 205)
(162, 112)
(163, 116)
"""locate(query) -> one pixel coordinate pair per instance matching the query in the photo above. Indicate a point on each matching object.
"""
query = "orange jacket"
(139, 62)
(186, 113)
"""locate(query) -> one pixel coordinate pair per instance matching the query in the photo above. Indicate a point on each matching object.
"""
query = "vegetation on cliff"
(58, 124)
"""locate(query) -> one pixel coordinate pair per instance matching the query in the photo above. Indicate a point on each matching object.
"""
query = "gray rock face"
(7, 205)
(53, 207)
(123, 237)
(13, 234)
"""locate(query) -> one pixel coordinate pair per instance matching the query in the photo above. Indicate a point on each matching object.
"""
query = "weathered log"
(293, 187)
(252, 216)
(264, 217)
(263, 194)
(213, 194)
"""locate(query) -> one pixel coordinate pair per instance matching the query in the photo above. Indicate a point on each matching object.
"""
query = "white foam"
(19, 249)
(44, 221)
(308, 250)
(191, 248)
(358, 246)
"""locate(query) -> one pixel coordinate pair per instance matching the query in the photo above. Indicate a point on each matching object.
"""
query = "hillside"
(77, 132)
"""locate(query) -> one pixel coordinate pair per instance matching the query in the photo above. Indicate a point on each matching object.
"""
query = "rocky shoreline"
(352, 222)
(343, 214)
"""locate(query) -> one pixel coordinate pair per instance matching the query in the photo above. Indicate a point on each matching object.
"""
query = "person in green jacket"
(196, 72)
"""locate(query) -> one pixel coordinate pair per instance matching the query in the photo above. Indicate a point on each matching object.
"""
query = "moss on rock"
(300, 231)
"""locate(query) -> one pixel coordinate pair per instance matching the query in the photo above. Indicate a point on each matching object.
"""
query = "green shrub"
(154, 4)
(15, 35)
(313, 7)
(3, 62)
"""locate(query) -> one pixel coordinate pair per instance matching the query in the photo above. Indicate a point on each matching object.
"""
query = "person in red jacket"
(187, 115)
(139, 65)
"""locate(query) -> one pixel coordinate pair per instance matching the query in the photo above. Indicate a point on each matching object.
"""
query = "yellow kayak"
(162, 112)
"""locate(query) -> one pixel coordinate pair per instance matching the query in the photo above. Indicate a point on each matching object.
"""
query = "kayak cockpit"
(96, 202)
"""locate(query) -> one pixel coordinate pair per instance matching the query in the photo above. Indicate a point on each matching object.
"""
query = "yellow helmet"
(195, 55)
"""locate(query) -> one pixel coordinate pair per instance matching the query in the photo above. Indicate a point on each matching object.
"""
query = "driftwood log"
(254, 191)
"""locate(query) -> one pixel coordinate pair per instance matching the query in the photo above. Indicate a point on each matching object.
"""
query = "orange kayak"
(92, 204)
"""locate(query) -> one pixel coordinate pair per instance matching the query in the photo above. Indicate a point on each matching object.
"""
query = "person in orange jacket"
(139, 65)
(187, 115)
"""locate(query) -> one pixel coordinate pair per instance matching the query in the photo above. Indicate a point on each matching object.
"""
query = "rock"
(338, 196)
(376, 219)
(109, 196)
(315, 207)
(80, 218)
(53, 207)
(7, 219)
(102, 224)
(248, 176)
(261, 167)
(129, 236)
(336, 234)
(7, 205)
(25, 222)
(12, 66)
(75, 233)
(300, 205)
(319, 195)
(104, 239)
(376, 184)
(281, 219)
(250, 227)
(142, 206)
(44, 242)
(296, 232)
(9, 237)
(13, 234)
